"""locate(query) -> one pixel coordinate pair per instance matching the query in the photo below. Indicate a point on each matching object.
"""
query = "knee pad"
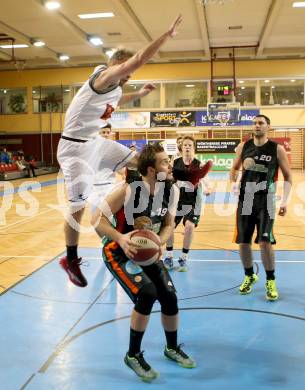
(146, 299)
(169, 303)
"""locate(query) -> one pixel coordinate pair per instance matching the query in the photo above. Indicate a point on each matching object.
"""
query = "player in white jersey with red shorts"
(81, 154)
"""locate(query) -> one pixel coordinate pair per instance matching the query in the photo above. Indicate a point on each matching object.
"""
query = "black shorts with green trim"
(133, 277)
(260, 217)
(188, 217)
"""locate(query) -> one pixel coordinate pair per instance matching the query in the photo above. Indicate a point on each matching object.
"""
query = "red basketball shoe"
(73, 270)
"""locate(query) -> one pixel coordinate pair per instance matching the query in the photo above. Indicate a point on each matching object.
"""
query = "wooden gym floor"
(31, 223)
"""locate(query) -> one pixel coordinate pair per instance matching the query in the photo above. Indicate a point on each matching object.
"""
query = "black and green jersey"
(259, 174)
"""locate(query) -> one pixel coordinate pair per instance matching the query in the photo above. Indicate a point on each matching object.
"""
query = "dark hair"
(264, 116)
(147, 157)
(107, 126)
(121, 55)
(190, 138)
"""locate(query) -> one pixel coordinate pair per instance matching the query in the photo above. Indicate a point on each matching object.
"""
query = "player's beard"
(258, 135)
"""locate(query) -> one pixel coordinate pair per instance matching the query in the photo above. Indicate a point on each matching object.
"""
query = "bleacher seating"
(10, 171)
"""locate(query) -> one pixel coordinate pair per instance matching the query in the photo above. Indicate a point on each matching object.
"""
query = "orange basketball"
(148, 247)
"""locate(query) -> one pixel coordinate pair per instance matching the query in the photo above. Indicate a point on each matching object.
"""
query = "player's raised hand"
(146, 89)
(173, 28)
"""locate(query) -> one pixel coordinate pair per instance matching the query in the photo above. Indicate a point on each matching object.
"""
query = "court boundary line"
(62, 347)
(30, 274)
(190, 260)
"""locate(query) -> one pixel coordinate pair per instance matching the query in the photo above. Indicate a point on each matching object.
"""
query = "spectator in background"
(24, 166)
(4, 157)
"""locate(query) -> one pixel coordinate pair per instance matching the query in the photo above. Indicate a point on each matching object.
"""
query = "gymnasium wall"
(52, 124)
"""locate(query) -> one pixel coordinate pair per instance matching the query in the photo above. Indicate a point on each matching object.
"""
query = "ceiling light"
(241, 81)
(190, 85)
(243, 87)
(266, 81)
(4, 90)
(52, 5)
(95, 41)
(13, 46)
(97, 15)
(109, 53)
(273, 87)
(63, 57)
(293, 81)
(298, 4)
(33, 91)
(67, 90)
(38, 43)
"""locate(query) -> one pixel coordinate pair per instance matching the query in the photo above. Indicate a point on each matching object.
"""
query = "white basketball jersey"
(88, 108)
(105, 176)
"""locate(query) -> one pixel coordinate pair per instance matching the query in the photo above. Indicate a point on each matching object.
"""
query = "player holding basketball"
(79, 154)
(189, 207)
(259, 158)
(157, 199)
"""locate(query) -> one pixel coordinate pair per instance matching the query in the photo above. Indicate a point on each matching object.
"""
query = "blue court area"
(58, 336)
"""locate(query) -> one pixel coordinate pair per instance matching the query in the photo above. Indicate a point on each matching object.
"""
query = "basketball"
(249, 163)
(142, 222)
(148, 247)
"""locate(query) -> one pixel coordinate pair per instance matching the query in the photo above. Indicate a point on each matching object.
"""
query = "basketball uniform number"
(263, 157)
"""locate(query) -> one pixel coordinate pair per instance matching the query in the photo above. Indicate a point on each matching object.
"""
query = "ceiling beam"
(272, 14)
(203, 25)
(125, 7)
(77, 31)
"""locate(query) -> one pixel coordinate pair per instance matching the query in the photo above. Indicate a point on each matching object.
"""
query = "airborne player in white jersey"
(80, 154)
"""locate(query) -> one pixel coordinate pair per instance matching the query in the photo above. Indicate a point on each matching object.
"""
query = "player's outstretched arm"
(114, 73)
(287, 175)
(145, 90)
(234, 172)
(100, 220)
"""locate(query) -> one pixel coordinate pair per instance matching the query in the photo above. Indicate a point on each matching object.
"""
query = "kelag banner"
(216, 145)
(246, 118)
(172, 119)
(221, 161)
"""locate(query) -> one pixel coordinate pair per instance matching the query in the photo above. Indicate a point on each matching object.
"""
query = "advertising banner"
(169, 145)
(172, 119)
(245, 119)
(221, 161)
(130, 120)
(137, 143)
(216, 145)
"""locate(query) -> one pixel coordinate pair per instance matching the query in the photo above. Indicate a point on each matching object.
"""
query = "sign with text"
(130, 120)
(246, 118)
(169, 145)
(172, 119)
(221, 161)
(216, 145)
